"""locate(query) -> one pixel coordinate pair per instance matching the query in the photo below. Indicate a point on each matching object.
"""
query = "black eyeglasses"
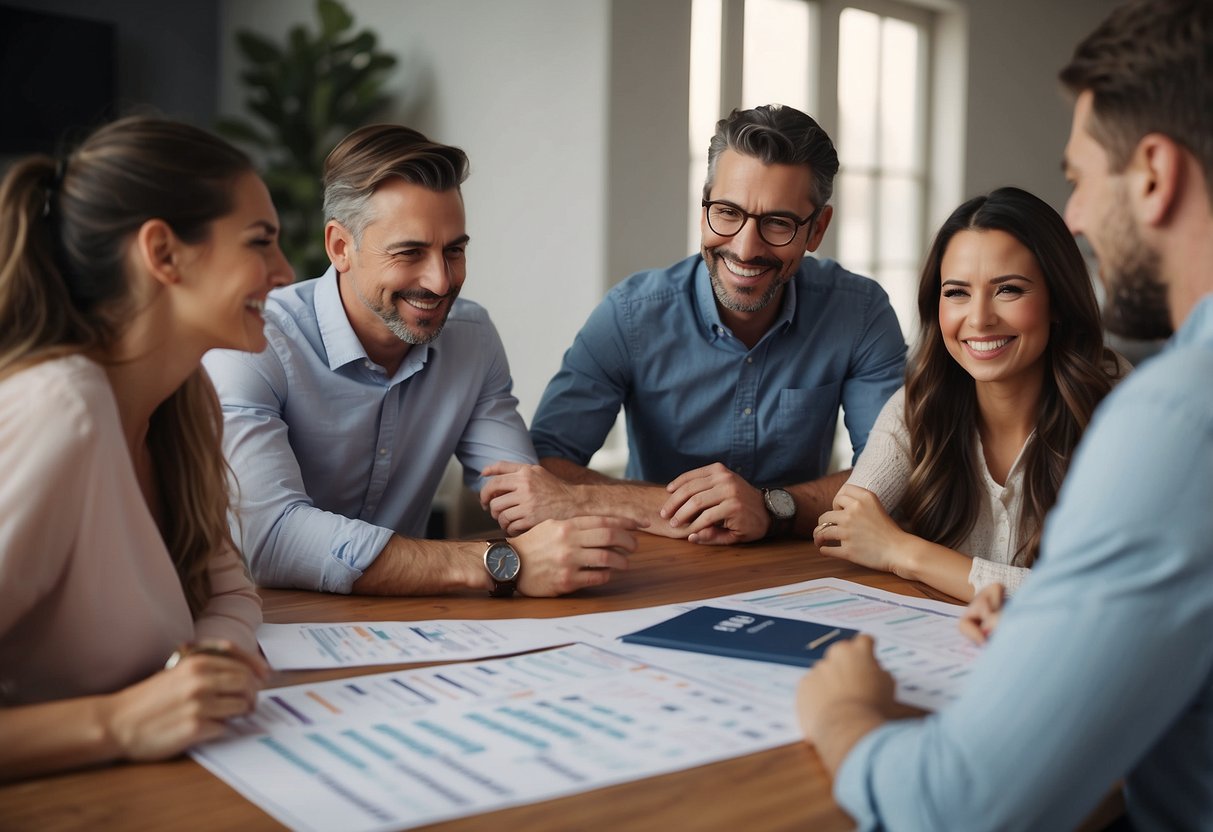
(775, 229)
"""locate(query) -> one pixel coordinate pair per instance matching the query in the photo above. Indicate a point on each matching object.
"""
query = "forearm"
(598, 494)
(56, 736)
(408, 566)
(814, 499)
(945, 569)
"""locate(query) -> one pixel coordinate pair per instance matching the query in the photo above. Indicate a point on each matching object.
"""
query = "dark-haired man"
(730, 365)
(376, 373)
(1102, 666)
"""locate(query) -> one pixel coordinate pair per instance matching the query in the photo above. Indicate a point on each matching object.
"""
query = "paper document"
(399, 750)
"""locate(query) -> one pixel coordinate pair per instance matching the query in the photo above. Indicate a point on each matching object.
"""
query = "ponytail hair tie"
(55, 185)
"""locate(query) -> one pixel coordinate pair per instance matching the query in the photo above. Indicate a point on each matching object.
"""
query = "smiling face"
(400, 281)
(225, 278)
(994, 308)
(747, 273)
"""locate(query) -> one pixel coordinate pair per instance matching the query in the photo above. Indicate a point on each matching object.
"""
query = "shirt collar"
(709, 312)
(341, 343)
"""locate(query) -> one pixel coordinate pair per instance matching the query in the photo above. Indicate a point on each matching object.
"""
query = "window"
(872, 99)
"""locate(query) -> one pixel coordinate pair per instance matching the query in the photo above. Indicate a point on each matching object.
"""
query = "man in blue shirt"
(376, 373)
(1102, 665)
(730, 365)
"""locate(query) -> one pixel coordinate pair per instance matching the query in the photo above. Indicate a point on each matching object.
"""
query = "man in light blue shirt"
(1102, 666)
(375, 375)
(730, 366)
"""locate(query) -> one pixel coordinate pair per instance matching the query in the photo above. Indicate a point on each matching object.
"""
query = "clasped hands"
(710, 505)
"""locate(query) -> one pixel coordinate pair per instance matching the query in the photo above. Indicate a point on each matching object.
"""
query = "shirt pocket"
(806, 424)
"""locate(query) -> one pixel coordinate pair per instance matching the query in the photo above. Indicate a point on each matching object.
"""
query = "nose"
(982, 313)
(437, 275)
(1072, 215)
(281, 273)
(747, 243)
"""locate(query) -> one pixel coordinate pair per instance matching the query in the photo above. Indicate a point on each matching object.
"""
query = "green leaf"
(333, 17)
(256, 48)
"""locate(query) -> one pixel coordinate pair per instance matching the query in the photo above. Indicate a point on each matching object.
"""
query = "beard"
(1136, 306)
(429, 329)
(747, 299)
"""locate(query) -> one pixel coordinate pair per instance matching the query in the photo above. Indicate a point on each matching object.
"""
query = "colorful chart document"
(399, 750)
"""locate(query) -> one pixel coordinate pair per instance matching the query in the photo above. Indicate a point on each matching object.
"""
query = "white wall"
(574, 115)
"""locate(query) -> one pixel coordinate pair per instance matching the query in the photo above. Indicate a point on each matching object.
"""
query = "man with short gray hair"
(375, 375)
(730, 365)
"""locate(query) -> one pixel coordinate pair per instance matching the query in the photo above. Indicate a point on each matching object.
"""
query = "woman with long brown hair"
(120, 265)
(1009, 366)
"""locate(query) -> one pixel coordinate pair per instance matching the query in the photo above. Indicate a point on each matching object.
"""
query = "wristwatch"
(782, 508)
(503, 564)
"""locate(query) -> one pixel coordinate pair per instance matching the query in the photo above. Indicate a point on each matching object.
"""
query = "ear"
(819, 228)
(339, 245)
(1155, 178)
(158, 250)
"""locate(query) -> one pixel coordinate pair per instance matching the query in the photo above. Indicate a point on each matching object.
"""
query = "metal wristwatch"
(782, 508)
(503, 565)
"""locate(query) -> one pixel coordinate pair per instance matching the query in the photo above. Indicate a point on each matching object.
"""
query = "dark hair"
(364, 159)
(1149, 67)
(941, 401)
(777, 135)
(65, 229)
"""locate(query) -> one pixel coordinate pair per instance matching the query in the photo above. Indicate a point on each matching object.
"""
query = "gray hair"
(365, 158)
(777, 135)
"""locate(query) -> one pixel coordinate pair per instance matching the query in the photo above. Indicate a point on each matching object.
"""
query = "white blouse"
(884, 469)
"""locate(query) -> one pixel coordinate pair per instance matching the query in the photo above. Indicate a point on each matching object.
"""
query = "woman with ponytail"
(1010, 363)
(120, 265)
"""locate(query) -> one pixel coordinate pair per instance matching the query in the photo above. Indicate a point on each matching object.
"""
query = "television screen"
(57, 74)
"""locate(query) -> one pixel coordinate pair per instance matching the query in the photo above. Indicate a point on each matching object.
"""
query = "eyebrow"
(995, 282)
(462, 239)
(265, 225)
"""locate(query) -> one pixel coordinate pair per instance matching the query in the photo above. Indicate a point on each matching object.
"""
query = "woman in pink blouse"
(120, 266)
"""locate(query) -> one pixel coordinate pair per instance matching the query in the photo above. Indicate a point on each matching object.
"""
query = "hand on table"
(980, 618)
(716, 506)
(858, 529)
(174, 709)
(562, 556)
(844, 695)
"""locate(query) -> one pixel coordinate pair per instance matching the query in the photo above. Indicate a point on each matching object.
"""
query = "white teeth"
(988, 346)
(422, 304)
(741, 271)
(256, 305)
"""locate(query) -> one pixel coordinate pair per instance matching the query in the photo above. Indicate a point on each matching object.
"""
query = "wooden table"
(779, 789)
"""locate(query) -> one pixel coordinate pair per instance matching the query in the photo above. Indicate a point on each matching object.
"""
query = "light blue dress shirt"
(1102, 666)
(693, 394)
(331, 456)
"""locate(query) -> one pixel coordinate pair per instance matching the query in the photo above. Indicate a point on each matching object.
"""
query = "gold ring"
(826, 525)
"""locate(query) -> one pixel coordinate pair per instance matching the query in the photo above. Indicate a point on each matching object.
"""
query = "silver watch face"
(502, 561)
(780, 503)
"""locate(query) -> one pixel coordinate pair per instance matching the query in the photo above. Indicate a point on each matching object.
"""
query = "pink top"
(89, 600)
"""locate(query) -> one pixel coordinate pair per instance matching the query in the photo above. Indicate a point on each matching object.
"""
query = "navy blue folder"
(743, 635)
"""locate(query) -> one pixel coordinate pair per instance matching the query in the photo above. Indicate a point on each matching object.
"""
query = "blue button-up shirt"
(1102, 666)
(331, 455)
(693, 393)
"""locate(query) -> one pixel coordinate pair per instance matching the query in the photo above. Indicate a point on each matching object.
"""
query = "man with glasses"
(731, 365)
